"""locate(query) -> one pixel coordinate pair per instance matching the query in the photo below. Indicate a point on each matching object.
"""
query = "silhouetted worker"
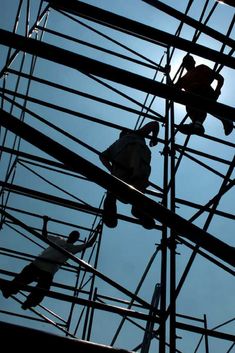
(44, 267)
(198, 80)
(129, 159)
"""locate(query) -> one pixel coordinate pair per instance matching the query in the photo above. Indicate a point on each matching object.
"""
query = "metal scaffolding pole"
(88, 65)
(137, 29)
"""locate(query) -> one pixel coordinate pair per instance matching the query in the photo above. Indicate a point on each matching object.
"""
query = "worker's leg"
(110, 211)
(36, 295)
(196, 127)
(228, 126)
(145, 219)
(26, 276)
(196, 115)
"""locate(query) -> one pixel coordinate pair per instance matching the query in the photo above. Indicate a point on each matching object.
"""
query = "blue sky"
(126, 250)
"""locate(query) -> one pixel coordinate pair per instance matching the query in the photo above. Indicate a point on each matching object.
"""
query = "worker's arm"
(220, 81)
(150, 128)
(179, 84)
(92, 239)
(88, 244)
(105, 161)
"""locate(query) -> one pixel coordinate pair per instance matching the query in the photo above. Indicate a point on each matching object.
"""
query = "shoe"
(228, 126)
(136, 212)
(193, 128)
(6, 292)
(25, 305)
(146, 221)
(28, 304)
(110, 213)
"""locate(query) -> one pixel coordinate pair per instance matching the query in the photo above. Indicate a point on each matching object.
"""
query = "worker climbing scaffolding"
(44, 267)
(198, 80)
(129, 159)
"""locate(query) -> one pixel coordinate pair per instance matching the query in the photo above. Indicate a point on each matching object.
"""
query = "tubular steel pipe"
(62, 202)
(138, 29)
(94, 67)
(192, 22)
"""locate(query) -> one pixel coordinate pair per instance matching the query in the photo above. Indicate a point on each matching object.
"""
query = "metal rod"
(138, 29)
(91, 66)
(191, 22)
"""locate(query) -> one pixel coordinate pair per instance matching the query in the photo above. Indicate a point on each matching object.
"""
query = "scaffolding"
(73, 75)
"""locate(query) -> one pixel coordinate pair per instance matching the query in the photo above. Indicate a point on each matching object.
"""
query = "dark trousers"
(206, 92)
(29, 274)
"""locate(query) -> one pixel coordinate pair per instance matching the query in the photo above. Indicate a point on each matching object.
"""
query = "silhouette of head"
(188, 62)
(124, 132)
(73, 237)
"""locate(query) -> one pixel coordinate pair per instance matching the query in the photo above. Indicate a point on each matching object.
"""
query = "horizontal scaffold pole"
(38, 195)
(192, 22)
(141, 30)
(80, 165)
(88, 303)
(127, 78)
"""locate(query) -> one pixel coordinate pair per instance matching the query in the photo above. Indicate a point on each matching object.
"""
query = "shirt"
(56, 257)
(130, 157)
(201, 75)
